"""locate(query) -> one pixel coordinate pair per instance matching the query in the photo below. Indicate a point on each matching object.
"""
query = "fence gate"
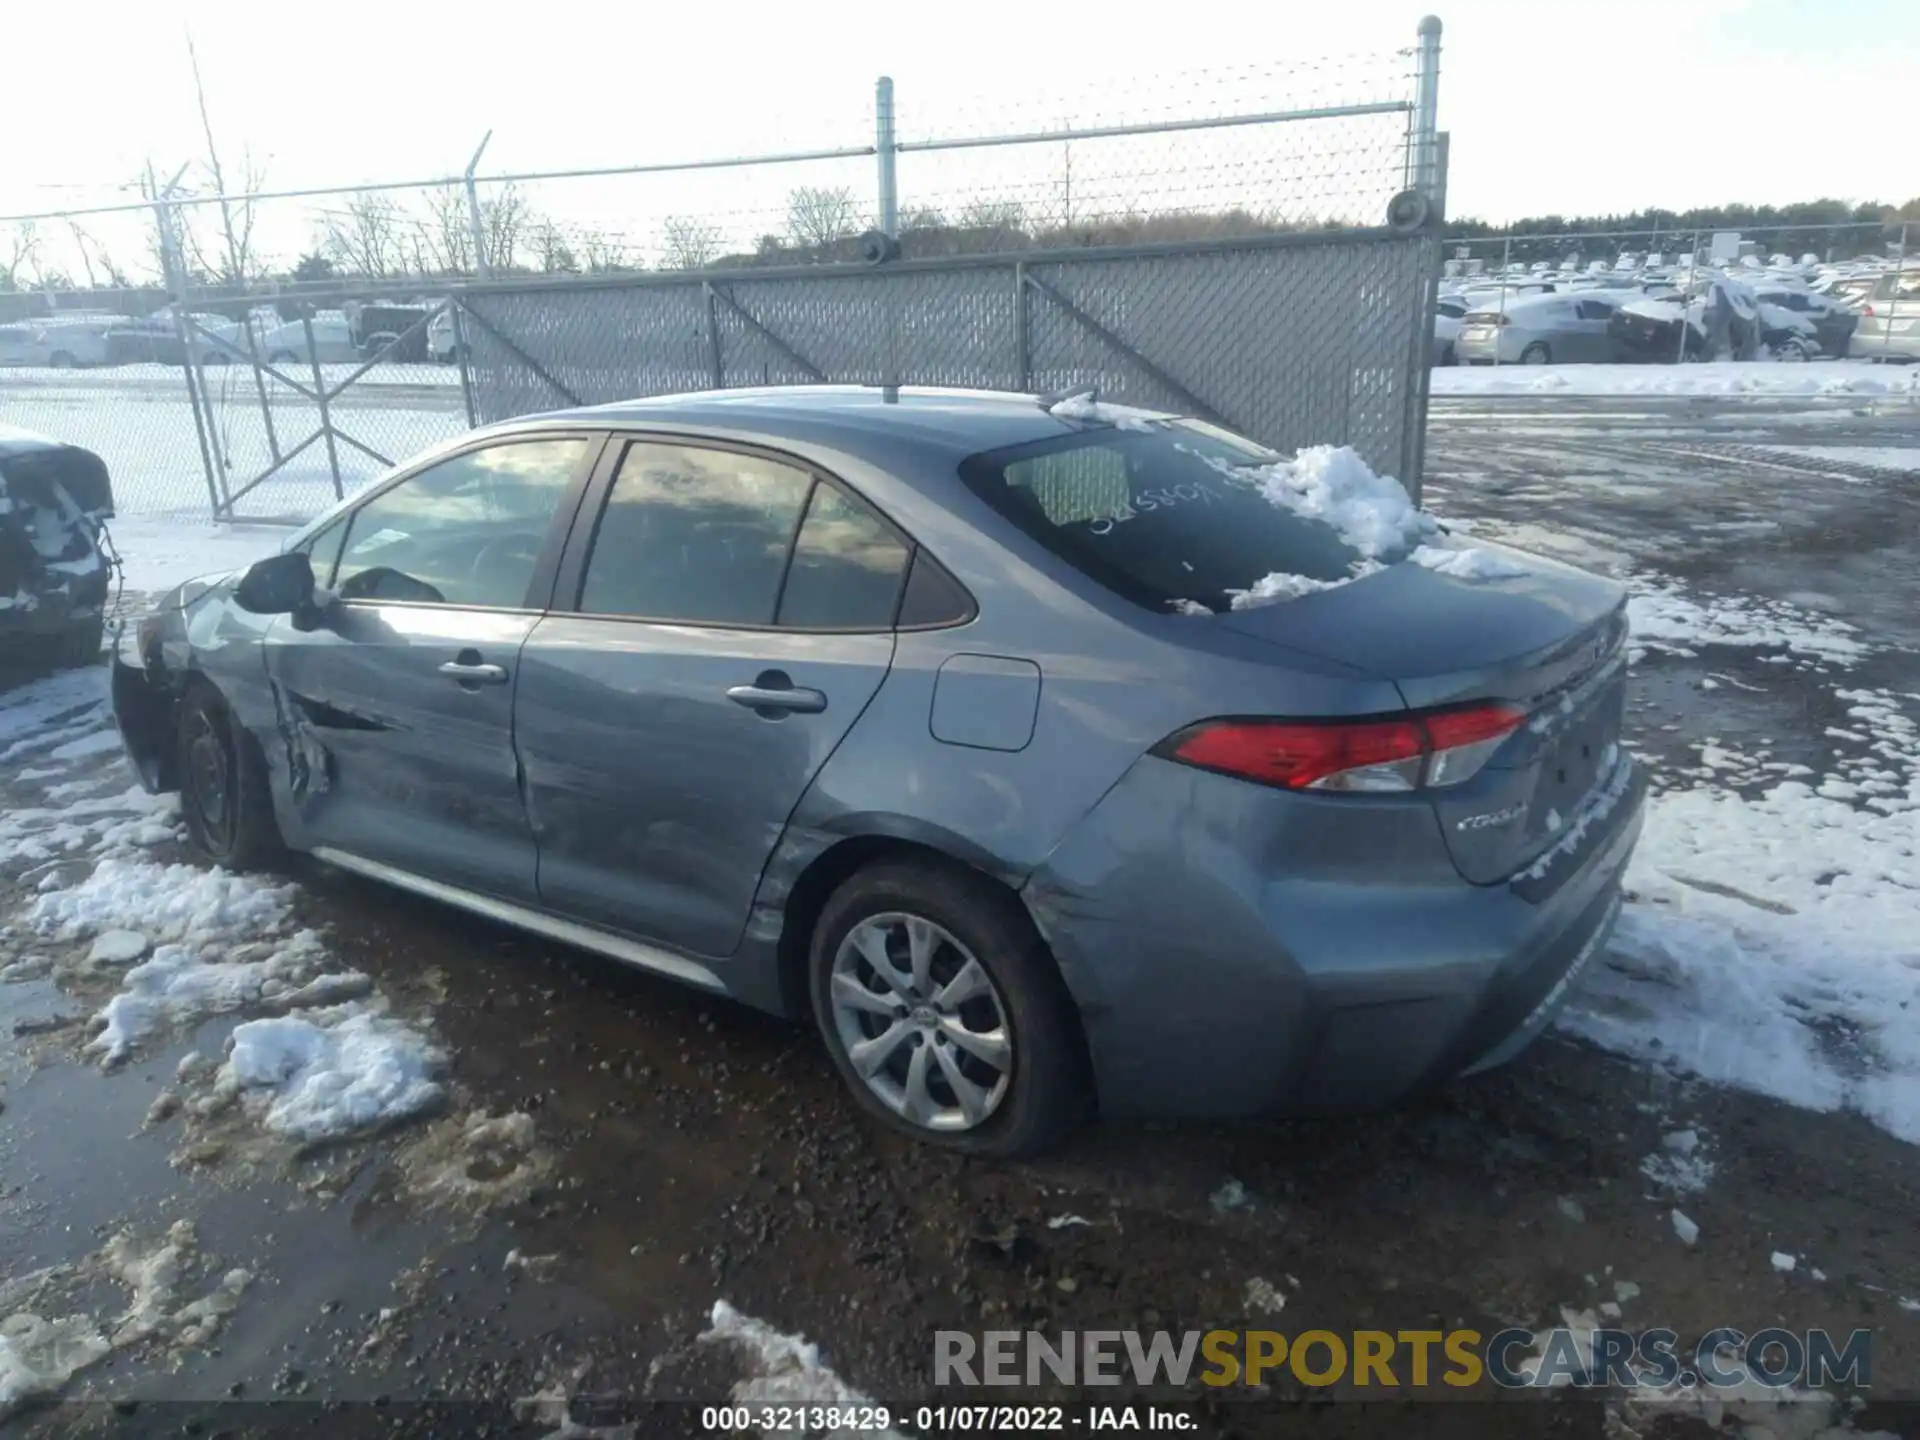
(1293, 339)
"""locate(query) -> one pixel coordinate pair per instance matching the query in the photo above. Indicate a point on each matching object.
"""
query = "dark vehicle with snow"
(1041, 752)
(55, 501)
(1723, 320)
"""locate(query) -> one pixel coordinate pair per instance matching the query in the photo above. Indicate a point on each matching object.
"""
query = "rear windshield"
(1164, 515)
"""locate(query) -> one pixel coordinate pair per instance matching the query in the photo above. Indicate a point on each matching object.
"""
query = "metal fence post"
(887, 153)
(1693, 260)
(1506, 270)
(460, 359)
(479, 231)
(176, 283)
(1893, 302)
(321, 398)
(1426, 109)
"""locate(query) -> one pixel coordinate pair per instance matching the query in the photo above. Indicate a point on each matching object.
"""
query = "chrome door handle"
(474, 674)
(785, 697)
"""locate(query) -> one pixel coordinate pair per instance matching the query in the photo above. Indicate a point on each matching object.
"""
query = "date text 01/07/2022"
(940, 1419)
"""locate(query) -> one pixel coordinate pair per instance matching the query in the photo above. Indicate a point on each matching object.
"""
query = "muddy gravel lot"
(539, 1245)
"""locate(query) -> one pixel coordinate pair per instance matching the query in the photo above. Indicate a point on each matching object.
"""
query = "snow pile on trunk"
(324, 1077)
(1282, 586)
(1332, 484)
(1771, 944)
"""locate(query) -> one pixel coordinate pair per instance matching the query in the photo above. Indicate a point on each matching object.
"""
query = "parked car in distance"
(1832, 323)
(1889, 326)
(55, 500)
(1540, 329)
(954, 722)
(333, 341)
(442, 338)
(59, 342)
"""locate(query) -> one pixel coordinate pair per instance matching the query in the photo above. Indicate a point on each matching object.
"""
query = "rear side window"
(1162, 516)
(694, 535)
(848, 565)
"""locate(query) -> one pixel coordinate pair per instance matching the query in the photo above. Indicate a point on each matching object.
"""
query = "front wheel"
(224, 795)
(944, 1013)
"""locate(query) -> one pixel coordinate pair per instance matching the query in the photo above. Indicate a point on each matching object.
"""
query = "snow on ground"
(1664, 618)
(39, 1355)
(213, 942)
(780, 1369)
(1720, 377)
(1899, 458)
(159, 552)
(1772, 942)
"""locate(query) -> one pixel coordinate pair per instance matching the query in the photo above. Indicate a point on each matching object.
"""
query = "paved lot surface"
(679, 1151)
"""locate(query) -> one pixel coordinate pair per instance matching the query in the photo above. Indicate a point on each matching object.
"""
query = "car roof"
(864, 419)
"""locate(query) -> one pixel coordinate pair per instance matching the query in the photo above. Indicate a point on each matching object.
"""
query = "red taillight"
(1442, 747)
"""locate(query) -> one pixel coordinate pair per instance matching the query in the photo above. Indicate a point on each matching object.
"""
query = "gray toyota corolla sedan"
(1036, 750)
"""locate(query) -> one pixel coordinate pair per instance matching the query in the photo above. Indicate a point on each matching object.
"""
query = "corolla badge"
(1491, 818)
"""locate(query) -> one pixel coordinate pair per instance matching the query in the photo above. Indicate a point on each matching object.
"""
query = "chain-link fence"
(1254, 244)
(1293, 339)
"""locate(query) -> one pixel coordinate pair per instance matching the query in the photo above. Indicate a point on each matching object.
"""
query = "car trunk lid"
(1542, 636)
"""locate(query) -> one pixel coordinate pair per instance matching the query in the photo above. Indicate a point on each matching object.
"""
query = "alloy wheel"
(921, 1022)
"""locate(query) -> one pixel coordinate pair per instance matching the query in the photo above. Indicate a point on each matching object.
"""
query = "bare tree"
(446, 234)
(603, 252)
(235, 261)
(95, 262)
(504, 220)
(364, 238)
(820, 215)
(993, 215)
(687, 243)
(552, 250)
(20, 257)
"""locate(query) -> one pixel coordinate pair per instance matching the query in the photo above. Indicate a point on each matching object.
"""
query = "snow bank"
(1729, 377)
(177, 903)
(319, 1080)
(1773, 944)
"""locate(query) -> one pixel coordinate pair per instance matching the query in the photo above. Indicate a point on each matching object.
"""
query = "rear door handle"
(471, 675)
(778, 698)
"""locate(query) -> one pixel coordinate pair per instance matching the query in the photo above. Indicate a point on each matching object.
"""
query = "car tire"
(280, 357)
(1536, 354)
(1025, 1108)
(60, 360)
(225, 798)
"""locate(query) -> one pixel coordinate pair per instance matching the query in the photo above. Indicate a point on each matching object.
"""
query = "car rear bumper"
(143, 711)
(1214, 982)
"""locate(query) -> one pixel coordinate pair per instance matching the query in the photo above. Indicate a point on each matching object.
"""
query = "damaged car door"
(394, 697)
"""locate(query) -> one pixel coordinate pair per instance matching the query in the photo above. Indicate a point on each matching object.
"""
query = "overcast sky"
(1605, 105)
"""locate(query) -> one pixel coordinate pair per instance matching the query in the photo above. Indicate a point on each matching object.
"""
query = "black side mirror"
(277, 585)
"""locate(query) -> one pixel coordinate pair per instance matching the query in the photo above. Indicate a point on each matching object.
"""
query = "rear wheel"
(943, 1011)
(60, 360)
(224, 795)
(1536, 354)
